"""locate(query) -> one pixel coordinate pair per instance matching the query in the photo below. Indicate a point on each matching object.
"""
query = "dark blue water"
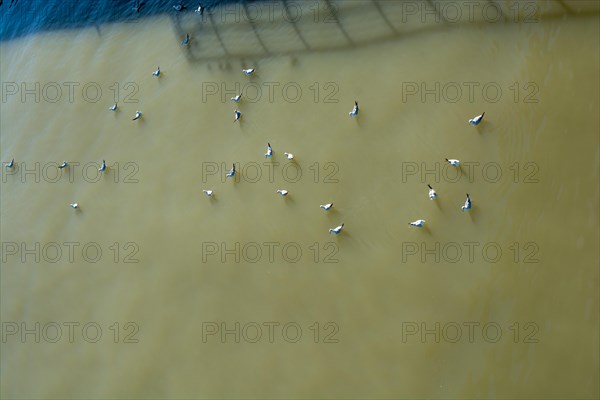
(24, 17)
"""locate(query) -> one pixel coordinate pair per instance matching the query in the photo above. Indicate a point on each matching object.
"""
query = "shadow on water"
(245, 30)
(438, 204)
(287, 199)
(485, 127)
(473, 213)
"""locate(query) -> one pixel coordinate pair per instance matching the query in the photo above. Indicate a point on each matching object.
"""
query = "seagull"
(186, 41)
(237, 114)
(476, 120)
(237, 98)
(200, 9)
(10, 164)
(157, 72)
(103, 167)
(138, 115)
(289, 156)
(269, 152)
(63, 165)
(326, 206)
(209, 193)
(418, 223)
(354, 111)
(113, 108)
(432, 193)
(248, 71)
(454, 163)
(282, 192)
(74, 205)
(467, 205)
(179, 7)
(337, 229)
(231, 172)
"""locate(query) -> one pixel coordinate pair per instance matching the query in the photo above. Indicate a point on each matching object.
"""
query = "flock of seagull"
(282, 192)
(455, 163)
(269, 153)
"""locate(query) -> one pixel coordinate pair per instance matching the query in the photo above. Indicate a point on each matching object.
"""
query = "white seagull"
(454, 163)
(200, 9)
(432, 193)
(467, 205)
(10, 164)
(237, 98)
(63, 165)
(209, 193)
(248, 71)
(102, 167)
(157, 72)
(231, 172)
(113, 108)
(289, 156)
(186, 41)
(476, 120)
(326, 207)
(269, 152)
(74, 205)
(282, 192)
(337, 229)
(418, 223)
(138, 115)
(354, 111)
(238, 115)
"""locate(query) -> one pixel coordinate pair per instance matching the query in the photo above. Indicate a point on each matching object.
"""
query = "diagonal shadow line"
(439, 12)
(565, 7)
(214, 26)
(293, 22)
(385, 18)
(333, 10)
(253, 25)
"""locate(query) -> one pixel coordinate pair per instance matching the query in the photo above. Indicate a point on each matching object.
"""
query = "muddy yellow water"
(152, 289)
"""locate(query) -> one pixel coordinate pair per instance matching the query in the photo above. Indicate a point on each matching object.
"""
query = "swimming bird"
(179, 7)
(326, 207)
(10, 164)
(248, 71)
(186, 41)
(337, 229)
(200, 9)
(289, 156)
(231, 172)
(269, 152)
(138, 115)
(476, 120)
(157, 72)
(74, 205)
(432, 193)
(467, 205)
(282, 192)
(418, 223)
(113, 108)
(454, 163)
(237, 98)
(102, 167)
(354, 111)
(63, 165)
(237, 115)
(209, 193)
